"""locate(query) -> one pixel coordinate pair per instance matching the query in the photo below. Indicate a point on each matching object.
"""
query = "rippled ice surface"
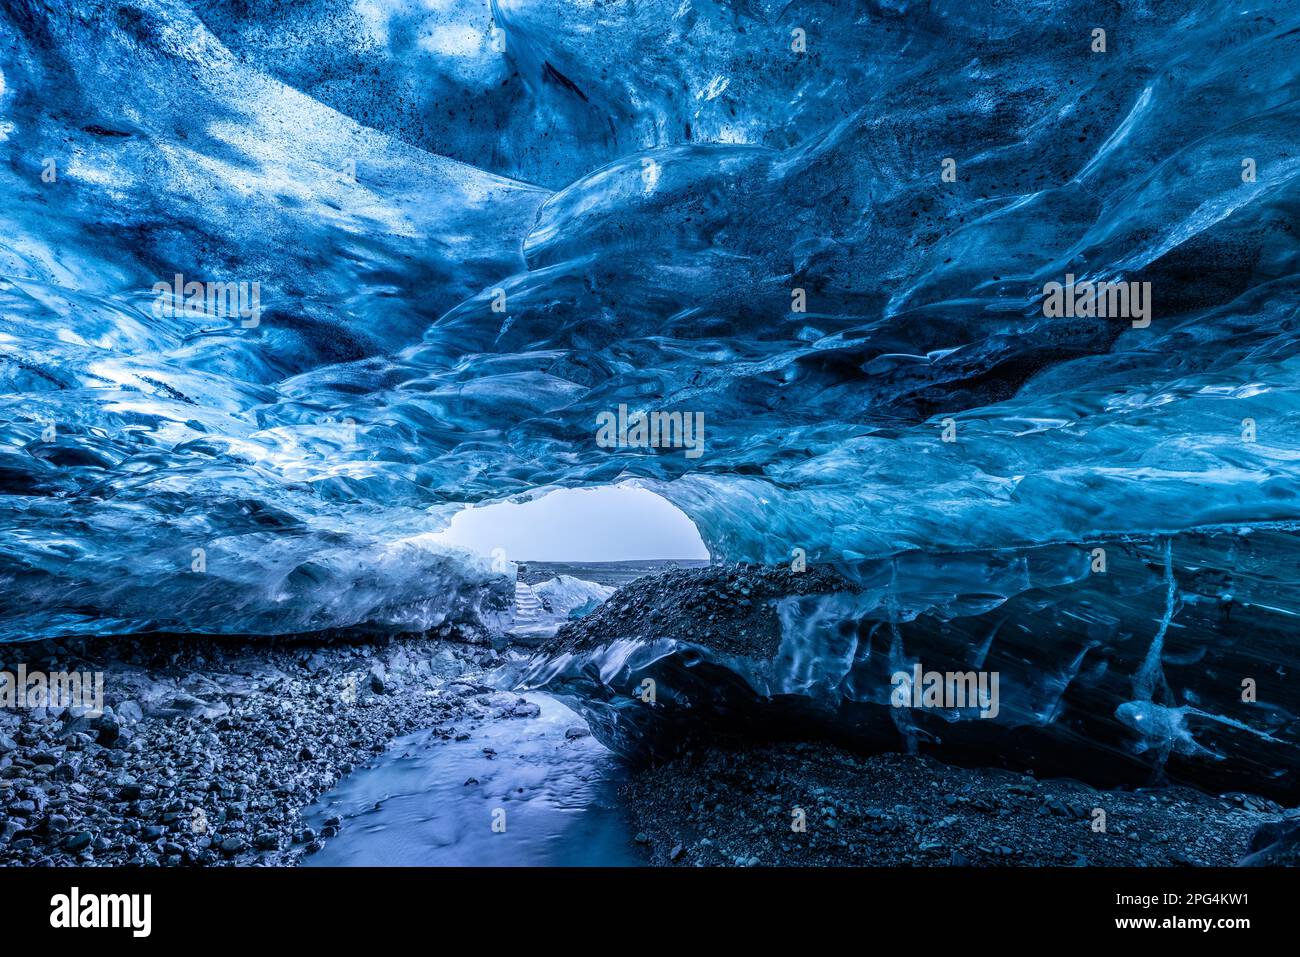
(414, 808)
(475, 227)
(475, 230)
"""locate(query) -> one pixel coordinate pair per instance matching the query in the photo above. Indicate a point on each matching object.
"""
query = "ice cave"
(296, 297)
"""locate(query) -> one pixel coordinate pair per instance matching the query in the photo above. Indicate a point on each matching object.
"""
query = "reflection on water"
(429, 801)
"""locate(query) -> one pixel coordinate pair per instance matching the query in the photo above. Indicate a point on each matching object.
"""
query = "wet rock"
(79, 841)
(129, 712)
(129, 792)
(524, 709)
(185, 705)
(68, 768)
(232, 845)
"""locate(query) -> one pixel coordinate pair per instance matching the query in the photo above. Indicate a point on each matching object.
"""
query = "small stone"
(232, 845)
(77, 842)
(128, 792)
(129, 712)
(524, 709)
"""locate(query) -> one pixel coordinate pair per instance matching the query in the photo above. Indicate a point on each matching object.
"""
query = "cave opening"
(607, 523)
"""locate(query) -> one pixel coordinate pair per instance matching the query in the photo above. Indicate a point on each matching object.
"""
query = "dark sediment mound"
(727, 607)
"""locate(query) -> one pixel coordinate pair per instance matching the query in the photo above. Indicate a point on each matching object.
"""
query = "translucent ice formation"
(463, 232)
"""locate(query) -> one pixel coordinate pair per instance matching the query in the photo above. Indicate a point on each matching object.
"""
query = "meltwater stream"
(430, 801)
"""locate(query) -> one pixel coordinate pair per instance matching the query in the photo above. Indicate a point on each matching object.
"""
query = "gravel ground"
(208, 750)
(737, 808)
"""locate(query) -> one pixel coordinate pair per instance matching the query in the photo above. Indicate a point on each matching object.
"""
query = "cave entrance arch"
(608, 523)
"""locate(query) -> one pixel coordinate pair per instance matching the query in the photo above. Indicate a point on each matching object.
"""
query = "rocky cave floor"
(211, 750)
(896, 809)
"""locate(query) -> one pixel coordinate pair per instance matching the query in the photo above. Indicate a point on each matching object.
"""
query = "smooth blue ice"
(478, 226)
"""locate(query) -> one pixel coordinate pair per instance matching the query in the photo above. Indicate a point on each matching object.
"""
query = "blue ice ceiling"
(474, 227)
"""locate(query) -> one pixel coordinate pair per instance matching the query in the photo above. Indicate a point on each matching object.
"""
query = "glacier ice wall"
(1115, 678)
(476, 226)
